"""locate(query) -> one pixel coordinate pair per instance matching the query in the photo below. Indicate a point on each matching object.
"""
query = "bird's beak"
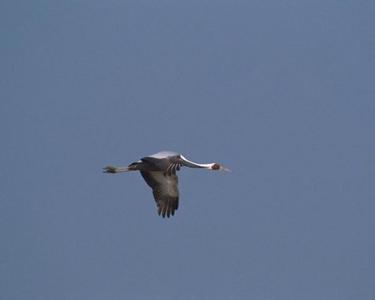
(226, 169)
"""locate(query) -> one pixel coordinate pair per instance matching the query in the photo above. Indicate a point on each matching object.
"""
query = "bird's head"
(219, 167)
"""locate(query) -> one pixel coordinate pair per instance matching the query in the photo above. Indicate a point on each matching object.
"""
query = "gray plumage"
(159, 172)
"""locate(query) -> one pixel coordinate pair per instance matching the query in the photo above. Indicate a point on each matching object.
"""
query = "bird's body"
(159, 172)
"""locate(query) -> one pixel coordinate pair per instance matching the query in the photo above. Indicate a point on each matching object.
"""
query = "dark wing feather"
(165, 190)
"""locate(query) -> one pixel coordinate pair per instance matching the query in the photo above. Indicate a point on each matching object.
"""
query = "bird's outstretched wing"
(165, 189)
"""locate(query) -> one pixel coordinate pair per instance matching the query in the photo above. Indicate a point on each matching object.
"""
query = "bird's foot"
(110, 169)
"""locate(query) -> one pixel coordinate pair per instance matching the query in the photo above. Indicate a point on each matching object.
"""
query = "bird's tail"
(114, 170)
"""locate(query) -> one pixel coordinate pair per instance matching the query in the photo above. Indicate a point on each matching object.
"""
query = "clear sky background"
(281, 92)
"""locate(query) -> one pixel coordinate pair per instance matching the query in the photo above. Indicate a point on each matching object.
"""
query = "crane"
(159, 172)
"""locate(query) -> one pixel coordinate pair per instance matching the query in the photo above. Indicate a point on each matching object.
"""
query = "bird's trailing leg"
(114, 170)
(135, 166)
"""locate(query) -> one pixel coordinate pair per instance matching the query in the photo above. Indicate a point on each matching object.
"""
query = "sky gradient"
(281, 92)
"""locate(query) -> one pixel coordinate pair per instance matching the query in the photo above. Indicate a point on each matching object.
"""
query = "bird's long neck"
(192, 164)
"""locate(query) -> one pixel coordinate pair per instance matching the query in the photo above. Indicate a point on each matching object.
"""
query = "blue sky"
(281, 92)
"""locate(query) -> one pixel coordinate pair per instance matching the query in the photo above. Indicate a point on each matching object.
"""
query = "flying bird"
(159, 172)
